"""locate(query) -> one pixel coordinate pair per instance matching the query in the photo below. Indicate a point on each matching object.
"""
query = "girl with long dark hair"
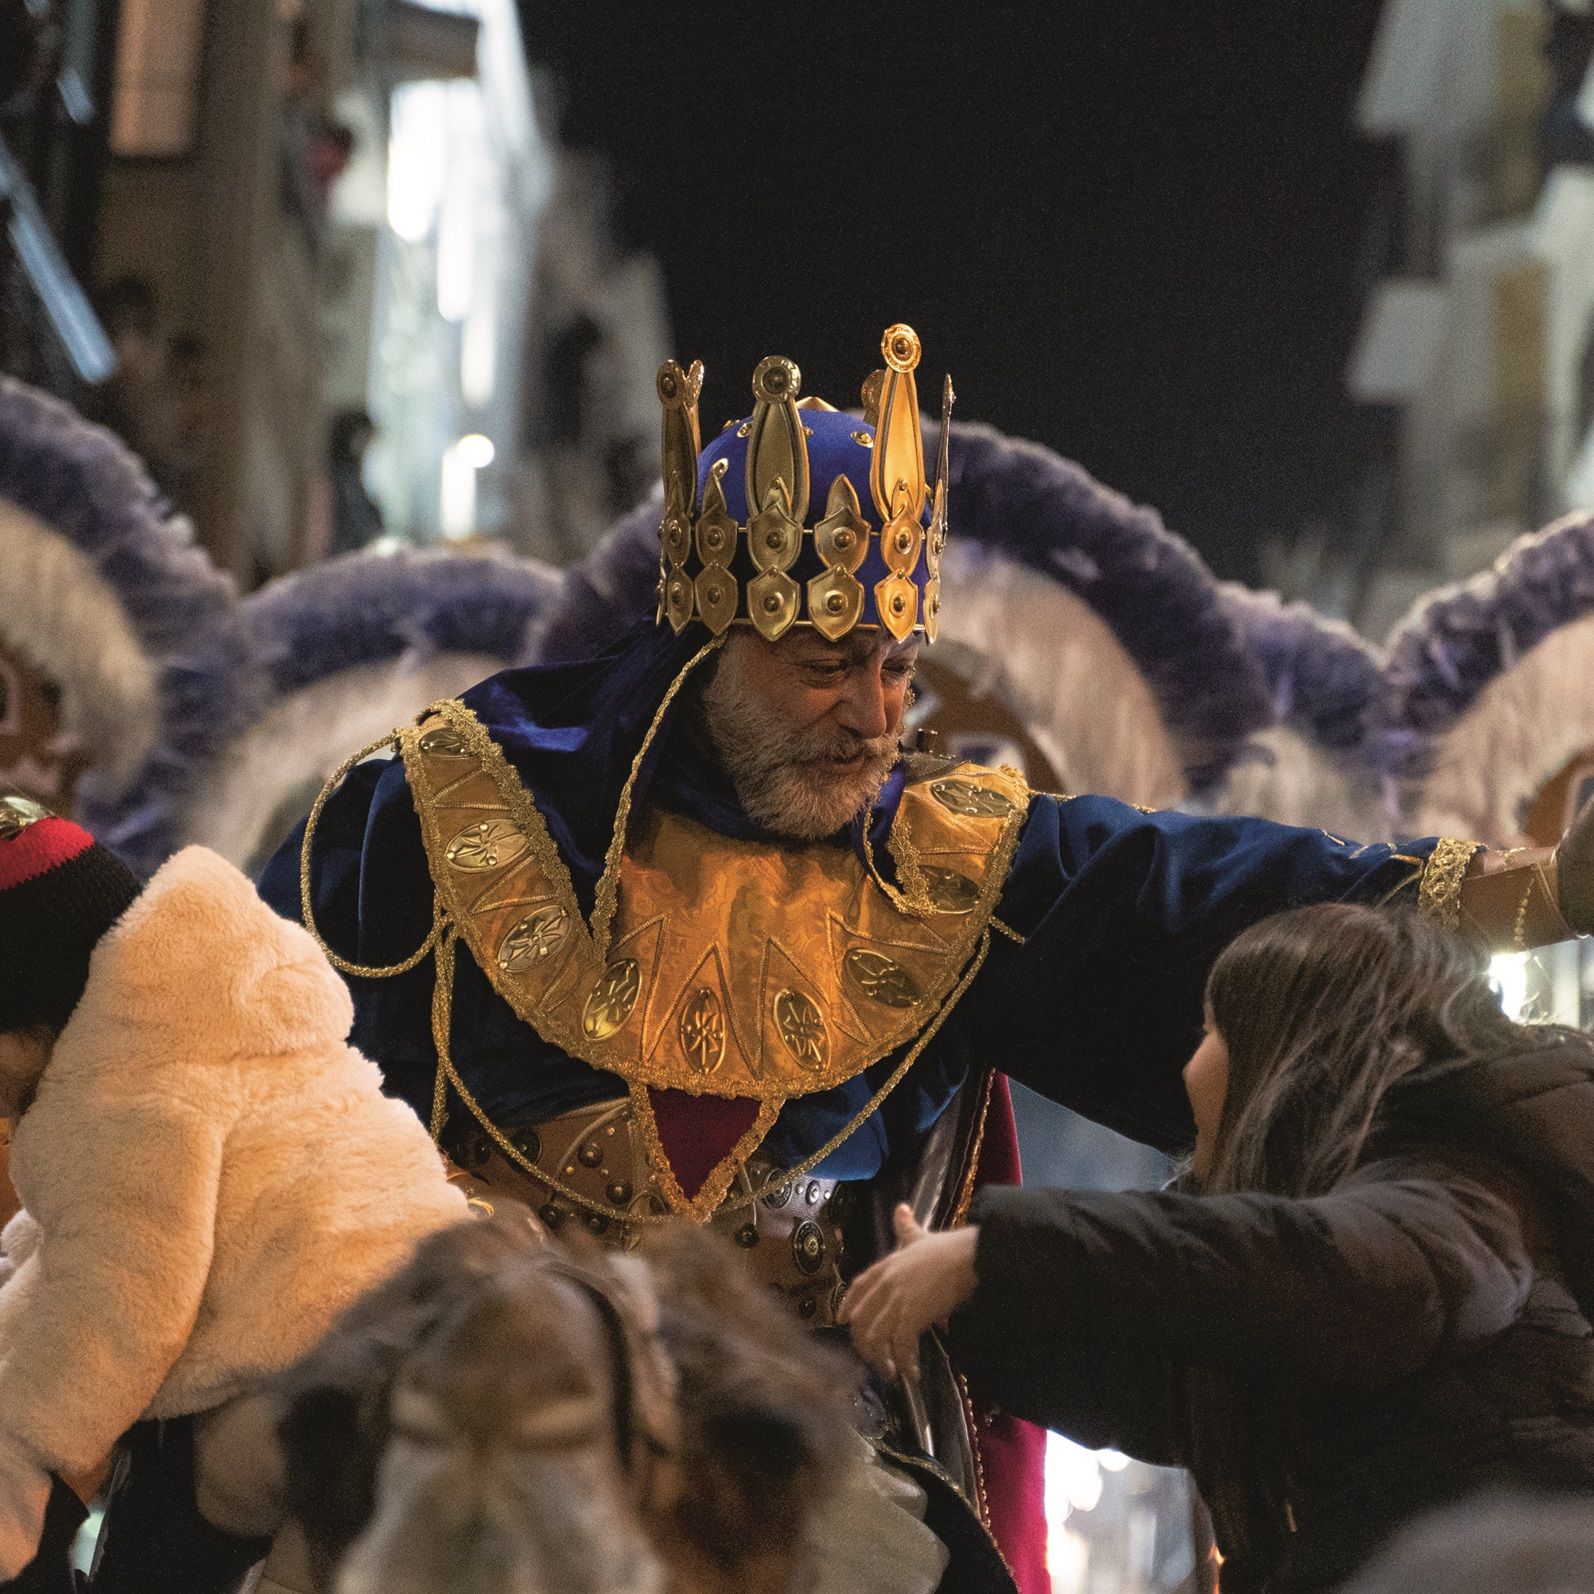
(1369, 1294)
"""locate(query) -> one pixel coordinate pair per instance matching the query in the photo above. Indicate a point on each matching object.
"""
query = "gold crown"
(792, 573)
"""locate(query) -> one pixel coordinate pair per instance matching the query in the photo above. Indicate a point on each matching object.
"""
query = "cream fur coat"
(209, 1175)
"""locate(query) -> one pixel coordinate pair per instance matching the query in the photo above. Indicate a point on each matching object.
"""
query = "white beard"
(781, 777)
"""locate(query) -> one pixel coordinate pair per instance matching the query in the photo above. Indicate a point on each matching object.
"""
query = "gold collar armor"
(712, 965)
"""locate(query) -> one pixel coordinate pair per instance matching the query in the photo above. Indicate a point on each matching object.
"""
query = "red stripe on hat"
(40, 847)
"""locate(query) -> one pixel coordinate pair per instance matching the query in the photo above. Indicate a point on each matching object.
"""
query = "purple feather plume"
(1322, 675)
(1465, 636)
(365, 608)
(85, 484)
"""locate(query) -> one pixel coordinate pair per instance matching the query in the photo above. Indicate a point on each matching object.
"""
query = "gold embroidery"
(1439, 895)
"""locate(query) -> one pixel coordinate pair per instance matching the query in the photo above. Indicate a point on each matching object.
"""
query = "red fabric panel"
(698, 1132)
(1012, 1453)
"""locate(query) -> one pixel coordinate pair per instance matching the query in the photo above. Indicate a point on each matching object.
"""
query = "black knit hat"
(60, 891)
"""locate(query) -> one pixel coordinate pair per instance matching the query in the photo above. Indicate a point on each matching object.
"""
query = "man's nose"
(863, 704)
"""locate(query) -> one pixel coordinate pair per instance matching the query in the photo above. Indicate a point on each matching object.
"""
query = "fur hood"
(199, 927)
(210, 1173)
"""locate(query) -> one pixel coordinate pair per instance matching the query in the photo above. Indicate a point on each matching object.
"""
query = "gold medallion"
(444, 742)
(973, 802)
(485, 845)
(535, 936)
(880, 978)
(801, 1026)
(610, 1002)
(702, 1031)
(949, 891)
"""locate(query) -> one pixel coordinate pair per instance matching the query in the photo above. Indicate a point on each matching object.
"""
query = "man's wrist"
(1512, 900)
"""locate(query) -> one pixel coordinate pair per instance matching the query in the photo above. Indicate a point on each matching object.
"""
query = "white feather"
(303, 737)
(65, 619)
(1299, 782)
(1060, 669)
(1522, 729)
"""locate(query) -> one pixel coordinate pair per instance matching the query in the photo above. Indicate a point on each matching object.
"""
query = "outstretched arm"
(1407, 1261)
(1122, 915)
(1107, 1394)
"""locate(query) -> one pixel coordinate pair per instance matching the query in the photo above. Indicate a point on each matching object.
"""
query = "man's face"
(807, 728)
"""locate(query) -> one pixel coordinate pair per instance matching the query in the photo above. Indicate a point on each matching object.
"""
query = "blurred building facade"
(1475, 356)
(55, 64)
(344, 281)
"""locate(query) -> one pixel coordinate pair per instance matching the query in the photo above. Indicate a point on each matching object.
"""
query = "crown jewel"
(736, 544)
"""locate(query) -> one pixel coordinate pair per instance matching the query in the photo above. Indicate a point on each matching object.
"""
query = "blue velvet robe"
(1122, 912)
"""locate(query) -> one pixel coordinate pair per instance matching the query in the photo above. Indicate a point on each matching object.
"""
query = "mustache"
(843, 747)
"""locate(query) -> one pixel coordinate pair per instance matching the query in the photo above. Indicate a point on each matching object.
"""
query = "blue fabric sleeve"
(1123, 914)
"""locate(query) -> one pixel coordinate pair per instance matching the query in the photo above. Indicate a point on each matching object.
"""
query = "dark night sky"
(1129, 230)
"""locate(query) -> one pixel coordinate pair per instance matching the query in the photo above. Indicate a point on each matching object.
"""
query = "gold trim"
(606, 894)
(981, 1502)
(447, 1074)
(1439, 894)
(671, 941)
(306, 906)
(971, 1172)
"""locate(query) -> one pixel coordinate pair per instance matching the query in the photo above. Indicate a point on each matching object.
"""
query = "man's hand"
(921, 1283)
(1574, 871)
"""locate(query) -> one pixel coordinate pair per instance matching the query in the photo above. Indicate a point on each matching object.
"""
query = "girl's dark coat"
(1325, 1367)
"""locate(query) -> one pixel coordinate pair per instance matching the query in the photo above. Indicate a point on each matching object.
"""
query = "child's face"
(1206, 1083)
(23, 1054)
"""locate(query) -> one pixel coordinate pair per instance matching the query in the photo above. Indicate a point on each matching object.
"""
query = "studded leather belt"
(792, 1238)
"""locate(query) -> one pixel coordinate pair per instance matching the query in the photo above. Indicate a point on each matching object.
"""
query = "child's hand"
(921, 1283)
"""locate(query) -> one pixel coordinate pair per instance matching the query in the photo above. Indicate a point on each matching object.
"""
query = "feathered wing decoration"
(1485, 713)
(1072, 613)
(1026, 506)
(1311, 766)
(1026, 673)
(348, 650)
(104, 596)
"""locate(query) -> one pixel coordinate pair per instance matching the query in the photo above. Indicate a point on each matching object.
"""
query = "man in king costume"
(679, 932)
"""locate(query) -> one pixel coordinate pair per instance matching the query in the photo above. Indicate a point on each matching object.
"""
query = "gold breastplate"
(712, 965)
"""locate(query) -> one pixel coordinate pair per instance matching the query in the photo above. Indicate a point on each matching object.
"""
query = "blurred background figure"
(1495, 1545)
(356, 521)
